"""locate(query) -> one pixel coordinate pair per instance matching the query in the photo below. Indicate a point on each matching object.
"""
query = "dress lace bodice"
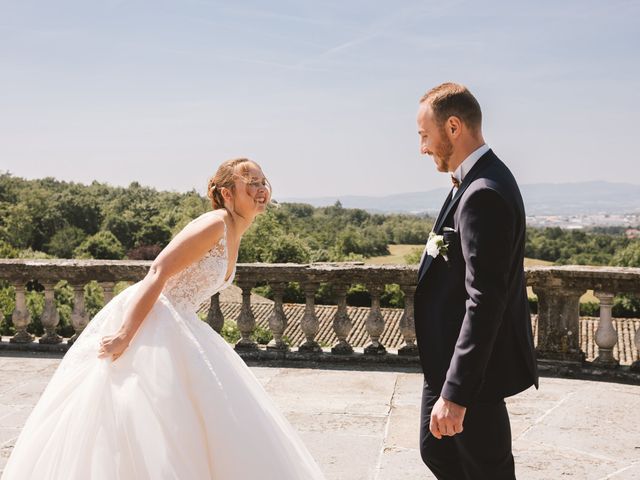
(195, 284)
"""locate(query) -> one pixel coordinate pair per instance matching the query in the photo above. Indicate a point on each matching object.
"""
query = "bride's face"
(252, 190)
(433, 139)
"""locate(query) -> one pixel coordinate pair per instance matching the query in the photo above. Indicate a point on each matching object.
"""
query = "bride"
(149, 391)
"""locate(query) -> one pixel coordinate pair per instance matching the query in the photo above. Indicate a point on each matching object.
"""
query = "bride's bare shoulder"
(209, 225)
(191, 243)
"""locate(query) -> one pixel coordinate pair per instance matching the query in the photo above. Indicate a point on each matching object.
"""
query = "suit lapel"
(444, 213)
(444, 207)
(424, 258)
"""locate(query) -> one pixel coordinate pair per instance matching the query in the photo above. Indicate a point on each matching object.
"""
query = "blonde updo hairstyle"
(224, 178)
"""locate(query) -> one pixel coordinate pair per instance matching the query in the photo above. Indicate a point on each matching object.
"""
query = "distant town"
(630, 221)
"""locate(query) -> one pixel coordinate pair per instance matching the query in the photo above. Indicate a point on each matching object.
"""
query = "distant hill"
(582, 198)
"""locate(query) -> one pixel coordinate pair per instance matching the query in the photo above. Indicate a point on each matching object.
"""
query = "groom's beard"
(442, 154)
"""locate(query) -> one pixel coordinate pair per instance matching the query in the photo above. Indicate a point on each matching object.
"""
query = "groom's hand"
(446, 418)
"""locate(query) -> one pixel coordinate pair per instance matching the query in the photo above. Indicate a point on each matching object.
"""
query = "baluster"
(375, 322)
(559, 323)
(50, 317)
(278, 319)
(606, 335)
(407, 322)
(107, 290)
(214, 316)
(309, 323)
(21, 318)
(79, 318)
(342, 324)
(246, 321)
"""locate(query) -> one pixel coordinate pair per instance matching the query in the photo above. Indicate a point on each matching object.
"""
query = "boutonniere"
(437, 246)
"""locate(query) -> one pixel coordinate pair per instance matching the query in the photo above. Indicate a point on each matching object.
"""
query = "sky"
(323, 94)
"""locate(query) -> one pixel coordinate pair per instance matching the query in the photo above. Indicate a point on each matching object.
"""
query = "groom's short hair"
(454, 100)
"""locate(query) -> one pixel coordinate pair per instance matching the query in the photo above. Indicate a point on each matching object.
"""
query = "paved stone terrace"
(363, 424)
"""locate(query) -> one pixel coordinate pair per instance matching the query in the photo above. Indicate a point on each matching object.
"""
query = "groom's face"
(433, 138)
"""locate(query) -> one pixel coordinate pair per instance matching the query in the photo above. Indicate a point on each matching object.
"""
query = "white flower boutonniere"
(436, 246)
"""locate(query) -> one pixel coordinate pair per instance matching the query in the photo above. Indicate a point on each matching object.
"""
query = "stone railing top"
(613, 279)
(581, 277)
(75, 271)
(586, 271)
(324, 272)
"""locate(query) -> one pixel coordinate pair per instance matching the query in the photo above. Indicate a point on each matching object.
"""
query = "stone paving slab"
(363, 425)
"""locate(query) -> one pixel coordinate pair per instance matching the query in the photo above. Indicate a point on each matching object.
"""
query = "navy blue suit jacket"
(473, 325)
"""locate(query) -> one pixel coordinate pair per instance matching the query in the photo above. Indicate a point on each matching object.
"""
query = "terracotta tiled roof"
(326, 336)
(625, 350)
(233, 294)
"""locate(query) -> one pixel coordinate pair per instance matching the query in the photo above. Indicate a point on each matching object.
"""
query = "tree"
(80, 207)
(628, 256)
(153, 233)
(44, 211)
(65, 241)
(257, 241)
(102, 245)
(288, 248)
(7, 251)
(16, 225)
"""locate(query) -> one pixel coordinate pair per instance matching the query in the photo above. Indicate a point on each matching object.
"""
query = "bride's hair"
(224, 178)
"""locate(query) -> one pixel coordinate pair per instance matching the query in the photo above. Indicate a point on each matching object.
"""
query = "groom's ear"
(453, 126)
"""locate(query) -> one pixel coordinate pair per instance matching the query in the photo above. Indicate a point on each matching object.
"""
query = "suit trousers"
(481, 451)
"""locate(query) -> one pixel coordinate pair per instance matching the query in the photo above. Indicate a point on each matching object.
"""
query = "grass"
(534, 262)
(396, 257)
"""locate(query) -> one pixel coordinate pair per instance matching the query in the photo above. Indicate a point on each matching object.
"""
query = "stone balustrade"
(340, 277)
(558, 290)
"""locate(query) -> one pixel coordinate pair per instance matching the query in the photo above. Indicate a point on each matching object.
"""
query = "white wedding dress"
(178, 404)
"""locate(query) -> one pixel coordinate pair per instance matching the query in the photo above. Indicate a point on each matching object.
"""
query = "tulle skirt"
(178, 404)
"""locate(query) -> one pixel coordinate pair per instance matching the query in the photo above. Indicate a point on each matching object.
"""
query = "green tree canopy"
(103, 245)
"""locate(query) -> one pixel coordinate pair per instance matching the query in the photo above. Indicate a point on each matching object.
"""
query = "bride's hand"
(112, 346)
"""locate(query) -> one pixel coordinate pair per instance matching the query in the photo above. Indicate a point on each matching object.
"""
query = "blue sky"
(322, 94)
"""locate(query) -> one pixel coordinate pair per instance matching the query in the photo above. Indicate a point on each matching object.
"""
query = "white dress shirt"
(468, 164)
(460, 173)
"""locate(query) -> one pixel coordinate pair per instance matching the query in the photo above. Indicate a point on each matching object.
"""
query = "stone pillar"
(558, 323)
(309, 323)
(278, 319)
(606, 336)
(635, 366)
(246, 321)
(214, 317)
(79, 314)
(375, 322)
(407, 322)
(50, 316)
(21, 318)
(107, 289)
(341, 322)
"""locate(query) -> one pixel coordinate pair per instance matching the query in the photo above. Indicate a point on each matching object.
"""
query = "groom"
(472, 317)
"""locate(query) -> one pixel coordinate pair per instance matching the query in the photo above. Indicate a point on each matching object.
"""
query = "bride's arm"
(189, 245)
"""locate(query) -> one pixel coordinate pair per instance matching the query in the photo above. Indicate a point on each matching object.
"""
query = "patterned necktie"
(455, 181)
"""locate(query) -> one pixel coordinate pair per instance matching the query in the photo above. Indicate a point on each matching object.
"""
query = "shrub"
(102, 245)
(230, 332)
(65, 241)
